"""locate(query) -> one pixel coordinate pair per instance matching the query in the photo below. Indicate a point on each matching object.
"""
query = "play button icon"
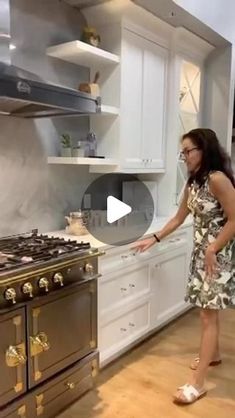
(116, 209)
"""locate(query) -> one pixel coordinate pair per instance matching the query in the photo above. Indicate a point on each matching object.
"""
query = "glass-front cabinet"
(189, 109)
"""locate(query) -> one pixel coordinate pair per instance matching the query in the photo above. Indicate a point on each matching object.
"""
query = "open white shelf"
(108, 110)
(82, 161)
(80, 53)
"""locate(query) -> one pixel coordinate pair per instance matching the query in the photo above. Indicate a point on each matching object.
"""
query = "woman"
(210, 196)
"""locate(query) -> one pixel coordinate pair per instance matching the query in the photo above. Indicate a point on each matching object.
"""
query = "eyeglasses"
(184, 154)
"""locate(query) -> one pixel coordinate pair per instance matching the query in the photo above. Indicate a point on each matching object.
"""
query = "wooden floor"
(141, 383)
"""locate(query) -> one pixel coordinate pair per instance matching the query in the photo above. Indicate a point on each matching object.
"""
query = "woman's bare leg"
(209, 344)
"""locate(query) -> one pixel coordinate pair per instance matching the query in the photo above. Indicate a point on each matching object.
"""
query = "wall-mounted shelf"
(108, 111)
(80, 53)
(82, 161)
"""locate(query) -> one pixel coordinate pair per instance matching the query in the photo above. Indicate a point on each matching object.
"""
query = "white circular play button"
(118, 208)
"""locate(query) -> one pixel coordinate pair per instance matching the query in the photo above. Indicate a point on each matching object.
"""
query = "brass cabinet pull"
(38, 344)
(15, 355)
(70, 385)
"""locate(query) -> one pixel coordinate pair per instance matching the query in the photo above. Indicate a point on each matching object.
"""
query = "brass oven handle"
(15, 355)
(39, 343)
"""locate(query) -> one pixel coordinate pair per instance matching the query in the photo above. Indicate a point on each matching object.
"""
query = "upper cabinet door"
(154, 101)
(143, 100)
(131, 101)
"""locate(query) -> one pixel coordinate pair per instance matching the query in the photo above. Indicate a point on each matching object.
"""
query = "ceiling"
(168, 11)
(84, 3)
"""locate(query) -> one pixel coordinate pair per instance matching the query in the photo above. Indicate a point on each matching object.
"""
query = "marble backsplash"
(32, 193)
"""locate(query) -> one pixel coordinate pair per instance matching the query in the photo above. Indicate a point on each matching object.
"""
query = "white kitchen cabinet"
(168, 282)
(143, 102)
(139, 293)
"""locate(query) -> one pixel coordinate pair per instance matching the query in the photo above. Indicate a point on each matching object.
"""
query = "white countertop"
(156, 225)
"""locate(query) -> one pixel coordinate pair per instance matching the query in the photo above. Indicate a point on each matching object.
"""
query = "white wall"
(218, 94)
(217, 14)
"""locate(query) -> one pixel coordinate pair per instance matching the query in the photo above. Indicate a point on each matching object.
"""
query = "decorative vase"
(78, 152)
(66, 152)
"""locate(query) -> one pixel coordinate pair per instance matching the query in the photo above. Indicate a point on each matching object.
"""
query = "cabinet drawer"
(58, 393)
(61, 392)
(121, 258)
(122, 287)
(124, 330)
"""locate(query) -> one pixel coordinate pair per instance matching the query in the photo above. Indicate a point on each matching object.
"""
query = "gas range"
(48, 323)
(34, 265)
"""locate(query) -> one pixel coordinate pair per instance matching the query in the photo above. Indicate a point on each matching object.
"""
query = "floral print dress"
(209, 219)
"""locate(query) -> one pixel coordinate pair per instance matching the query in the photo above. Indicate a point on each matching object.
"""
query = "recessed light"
(12, 46)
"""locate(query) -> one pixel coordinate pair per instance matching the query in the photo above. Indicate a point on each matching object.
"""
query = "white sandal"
(190, 393)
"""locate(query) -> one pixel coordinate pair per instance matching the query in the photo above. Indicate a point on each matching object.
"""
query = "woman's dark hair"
(214, 156)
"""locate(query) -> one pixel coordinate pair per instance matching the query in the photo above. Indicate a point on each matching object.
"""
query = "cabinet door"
(154, 97)
(12, 356)
(144, 72)
(168, 286)
(131, 101)
(62, 330)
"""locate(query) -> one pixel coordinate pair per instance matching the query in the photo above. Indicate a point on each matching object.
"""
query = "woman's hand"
(144, 244)
(211, 265)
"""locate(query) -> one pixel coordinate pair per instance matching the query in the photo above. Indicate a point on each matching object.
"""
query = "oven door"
(62, 330)
(12, 355)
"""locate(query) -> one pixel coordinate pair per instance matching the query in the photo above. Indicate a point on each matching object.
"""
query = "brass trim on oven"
(36, 372)
(37, 375)
(94, 368)
(15, 354)
(17, 320)
(18, 388)
(35, 273)
(93, 344)
(39, 406)
(92, 288)
(22, 411)
(36, 312)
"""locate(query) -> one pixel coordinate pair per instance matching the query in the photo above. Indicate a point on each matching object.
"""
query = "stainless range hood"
(24, 97)
(23, 94)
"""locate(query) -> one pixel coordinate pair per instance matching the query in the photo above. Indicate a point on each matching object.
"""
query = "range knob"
(89, 268)
(58, 278)
(10, 294)
(43, 283)
(27, 289)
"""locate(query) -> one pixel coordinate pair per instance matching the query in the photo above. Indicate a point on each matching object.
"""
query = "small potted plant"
(78, 151)
(66, 145)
